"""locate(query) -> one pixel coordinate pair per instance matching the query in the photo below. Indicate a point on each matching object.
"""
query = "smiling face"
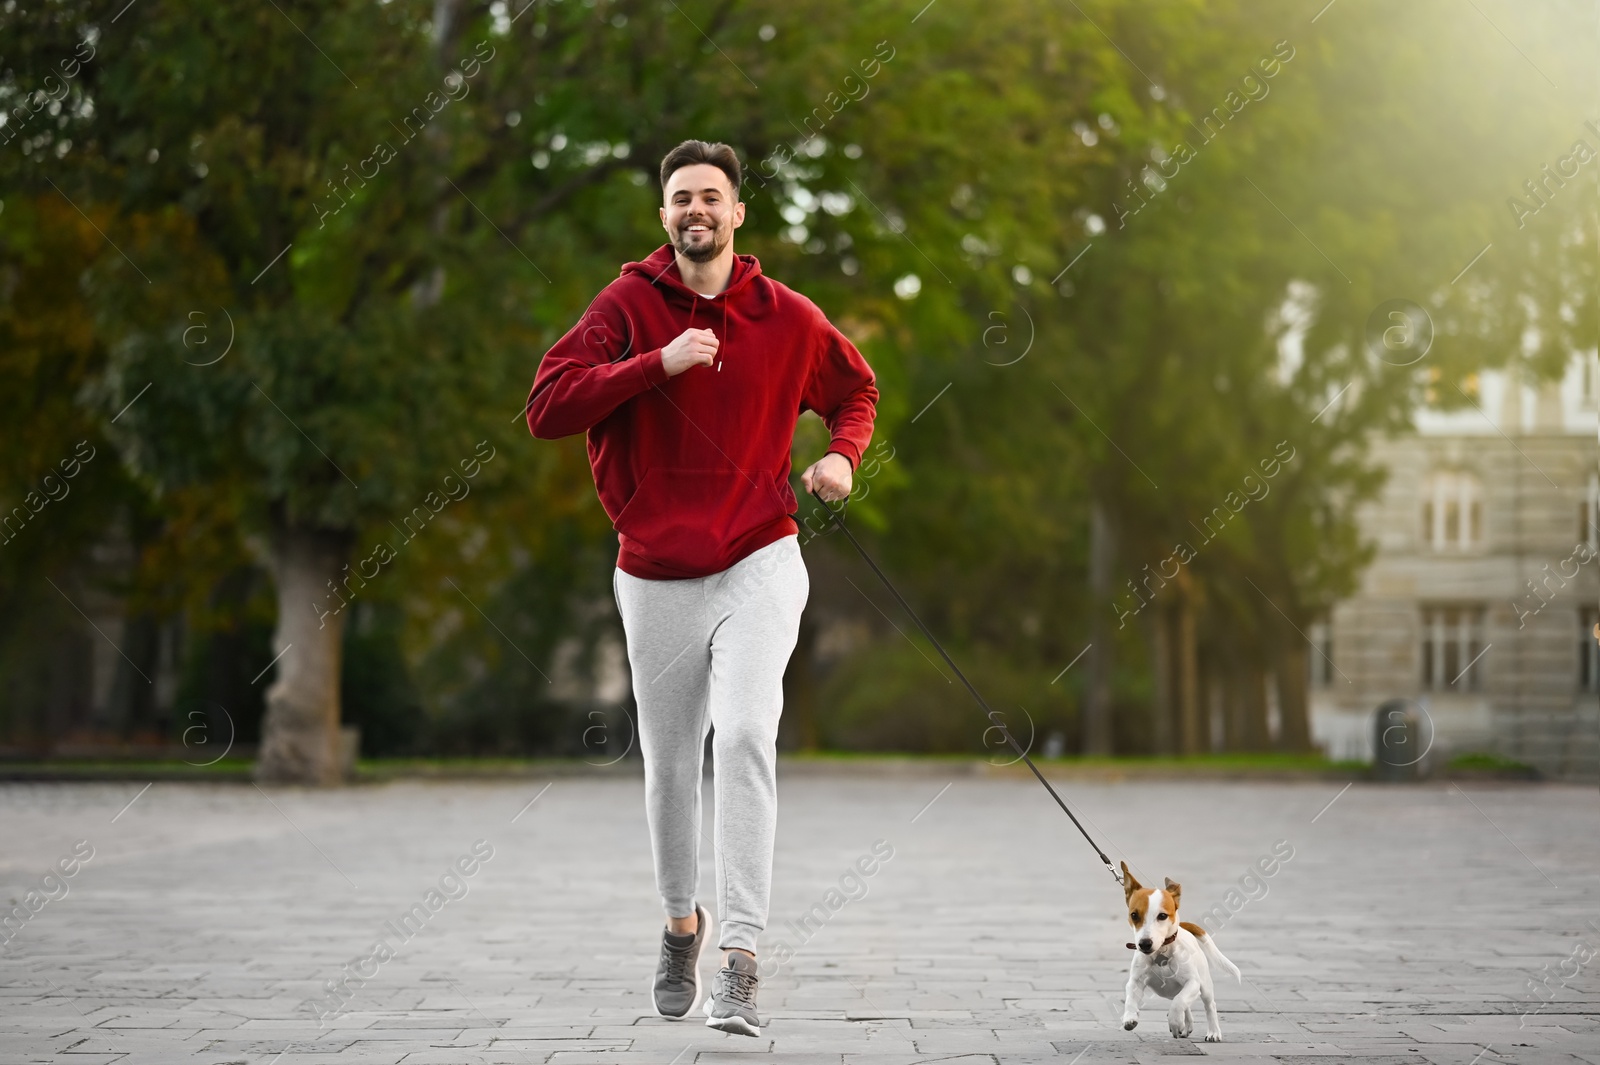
(1153, 912)
(700, 213)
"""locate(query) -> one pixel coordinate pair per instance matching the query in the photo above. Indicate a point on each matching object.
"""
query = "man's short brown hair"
(691, 153)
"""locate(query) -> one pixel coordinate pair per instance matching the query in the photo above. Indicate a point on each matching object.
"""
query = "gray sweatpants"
(711, 651)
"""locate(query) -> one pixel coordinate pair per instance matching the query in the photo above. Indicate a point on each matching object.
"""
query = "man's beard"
(703, 253)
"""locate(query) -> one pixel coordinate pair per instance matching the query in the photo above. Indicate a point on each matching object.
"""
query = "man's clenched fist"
(694, 347)
(828, 477)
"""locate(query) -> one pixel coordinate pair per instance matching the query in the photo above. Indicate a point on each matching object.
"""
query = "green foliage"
(492, 666)
(903, 697)
(389, 211)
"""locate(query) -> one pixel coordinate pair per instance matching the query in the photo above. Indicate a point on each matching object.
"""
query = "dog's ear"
(1174, 890)
(1129, 884)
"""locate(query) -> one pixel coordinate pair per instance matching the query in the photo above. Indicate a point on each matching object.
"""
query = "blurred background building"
(1478, 610)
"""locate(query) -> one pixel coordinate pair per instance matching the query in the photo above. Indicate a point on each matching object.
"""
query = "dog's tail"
(1215, 956)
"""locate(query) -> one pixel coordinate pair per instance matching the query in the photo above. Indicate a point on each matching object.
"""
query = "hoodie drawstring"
(722, 346)
(723, 339)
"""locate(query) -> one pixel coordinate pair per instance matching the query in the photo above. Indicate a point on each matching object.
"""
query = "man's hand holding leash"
(828, 478)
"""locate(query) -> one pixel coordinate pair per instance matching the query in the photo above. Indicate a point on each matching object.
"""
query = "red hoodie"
(693, 470)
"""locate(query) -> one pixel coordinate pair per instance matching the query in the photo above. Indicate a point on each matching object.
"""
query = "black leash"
(837, 517)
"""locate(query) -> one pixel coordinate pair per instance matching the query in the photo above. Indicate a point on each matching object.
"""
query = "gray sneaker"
(677, 986)
(732, 1005)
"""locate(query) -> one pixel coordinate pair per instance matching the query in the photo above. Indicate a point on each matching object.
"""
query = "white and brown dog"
(1171, 958)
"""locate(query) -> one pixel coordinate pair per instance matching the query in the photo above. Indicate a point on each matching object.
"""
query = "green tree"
(391, 211)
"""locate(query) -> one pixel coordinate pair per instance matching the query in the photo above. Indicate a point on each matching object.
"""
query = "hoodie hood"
(660, 268)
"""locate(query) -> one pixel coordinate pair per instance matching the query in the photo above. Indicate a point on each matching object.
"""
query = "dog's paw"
(1213, 1037)
(1128, 1026)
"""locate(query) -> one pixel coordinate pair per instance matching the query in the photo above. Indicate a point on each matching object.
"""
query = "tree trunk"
(1294, 711)
(1191, 739)
(798, 725)
(1253, 707)
(133, 693)
(1162, 711)
(1097, 737)
(1235, 734)
(1215, 704)
(300, 729)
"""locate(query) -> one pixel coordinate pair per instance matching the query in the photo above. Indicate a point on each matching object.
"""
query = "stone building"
(1478, 611)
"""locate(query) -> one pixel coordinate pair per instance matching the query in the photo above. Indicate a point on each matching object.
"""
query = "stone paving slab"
(1405, 927)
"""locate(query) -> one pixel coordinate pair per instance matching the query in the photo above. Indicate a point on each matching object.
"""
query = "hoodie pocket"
(687, 518)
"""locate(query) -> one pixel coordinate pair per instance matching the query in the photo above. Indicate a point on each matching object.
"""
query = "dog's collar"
(1165, 943)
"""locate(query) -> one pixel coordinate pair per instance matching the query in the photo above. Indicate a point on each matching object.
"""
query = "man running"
(688, 373)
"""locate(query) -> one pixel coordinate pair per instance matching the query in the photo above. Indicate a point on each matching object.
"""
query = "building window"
(1589, 515)
(1320, 660)
(1588, 650)
(1452, 648)
(1452, 512)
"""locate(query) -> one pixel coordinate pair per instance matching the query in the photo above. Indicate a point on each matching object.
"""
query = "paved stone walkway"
(1405, 927)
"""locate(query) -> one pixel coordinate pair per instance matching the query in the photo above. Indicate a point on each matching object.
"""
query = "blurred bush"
(900, 697)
